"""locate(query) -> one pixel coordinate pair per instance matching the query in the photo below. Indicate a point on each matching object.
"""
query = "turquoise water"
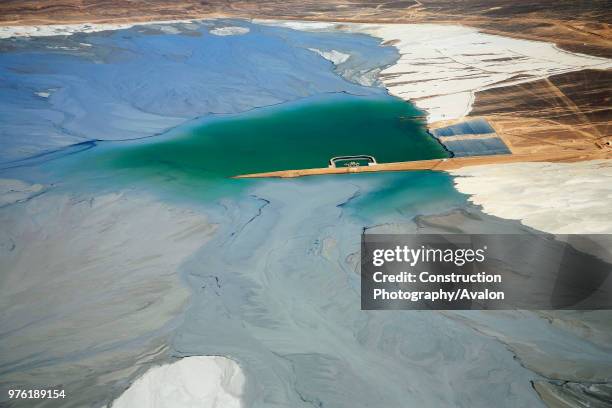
(404, 194)
(200, 158)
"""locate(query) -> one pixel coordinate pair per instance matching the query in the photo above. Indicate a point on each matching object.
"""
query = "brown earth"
(575, 25)
(566, 112)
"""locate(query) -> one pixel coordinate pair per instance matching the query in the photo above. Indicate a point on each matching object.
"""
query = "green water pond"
(291, 136)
